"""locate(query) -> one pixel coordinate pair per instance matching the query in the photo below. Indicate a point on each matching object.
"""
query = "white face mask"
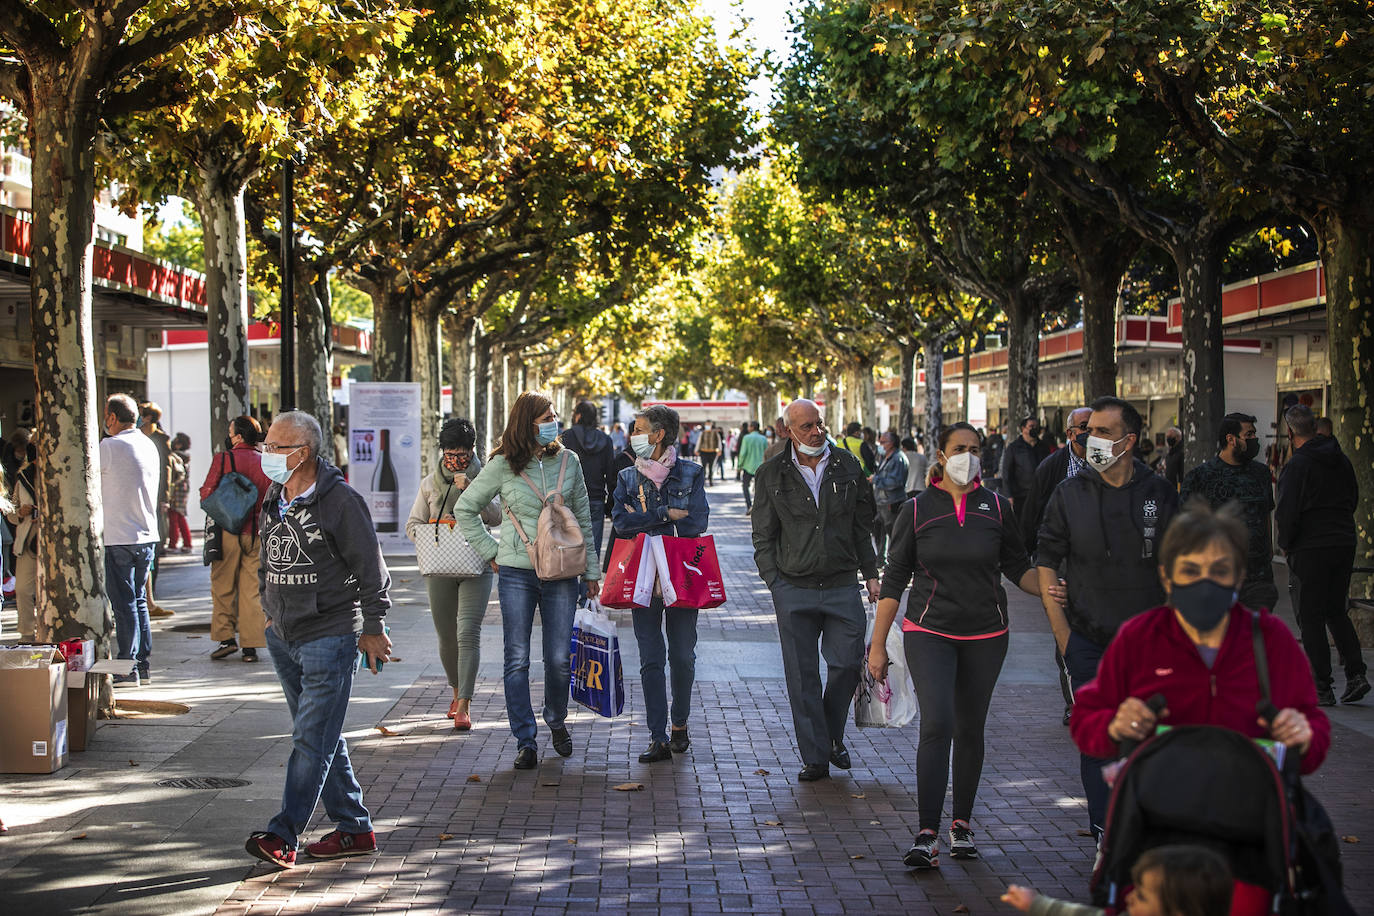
(642, 446)
(962, 468)
(1100, 454)
(812, 451)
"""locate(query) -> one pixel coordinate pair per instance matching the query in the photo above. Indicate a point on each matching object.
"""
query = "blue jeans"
(1081, 657)
(317, 677)
(520, 591)
(680, 653)
(126, 582)
(597, 507)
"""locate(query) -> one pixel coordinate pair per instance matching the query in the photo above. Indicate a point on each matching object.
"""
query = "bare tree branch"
(14, 83)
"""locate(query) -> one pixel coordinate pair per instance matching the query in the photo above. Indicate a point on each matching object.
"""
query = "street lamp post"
(288, 276)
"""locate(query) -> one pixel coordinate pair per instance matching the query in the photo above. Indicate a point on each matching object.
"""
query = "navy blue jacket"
(684, 489)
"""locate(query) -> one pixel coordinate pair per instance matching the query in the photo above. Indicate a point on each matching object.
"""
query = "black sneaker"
(562, 741)
(250, 655)
(526, 758)
(925, 852)
(1355, 689)
(961, 841)
(226, 649)
(678, 742)
(1326, 696)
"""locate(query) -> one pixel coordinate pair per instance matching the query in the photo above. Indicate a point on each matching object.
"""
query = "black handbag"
(212, 549)
(233, 500)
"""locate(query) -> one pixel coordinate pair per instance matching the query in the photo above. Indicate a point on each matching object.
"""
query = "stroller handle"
(1157, 704)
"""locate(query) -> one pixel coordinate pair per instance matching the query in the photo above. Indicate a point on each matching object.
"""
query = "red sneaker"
(270, 848)
(337, 845)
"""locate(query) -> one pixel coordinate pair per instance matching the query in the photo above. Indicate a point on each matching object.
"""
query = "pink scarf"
(657, 471)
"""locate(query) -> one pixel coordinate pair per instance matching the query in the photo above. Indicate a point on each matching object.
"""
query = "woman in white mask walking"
(957, 539)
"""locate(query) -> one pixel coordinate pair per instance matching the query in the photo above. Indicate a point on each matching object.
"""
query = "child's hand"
(1019, 897)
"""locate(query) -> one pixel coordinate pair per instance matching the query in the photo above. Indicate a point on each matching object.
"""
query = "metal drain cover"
(203, 782)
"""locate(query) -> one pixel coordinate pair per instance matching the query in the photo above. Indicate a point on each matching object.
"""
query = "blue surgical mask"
(642, 446)
(548, 432)
(275, 468)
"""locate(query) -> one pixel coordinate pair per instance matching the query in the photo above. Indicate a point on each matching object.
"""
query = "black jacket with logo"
(957, 556)
(1107, 541)
(321, 571)
(813, 546)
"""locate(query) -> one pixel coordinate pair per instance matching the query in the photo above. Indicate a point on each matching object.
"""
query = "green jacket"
(496, 478)
(751, 449)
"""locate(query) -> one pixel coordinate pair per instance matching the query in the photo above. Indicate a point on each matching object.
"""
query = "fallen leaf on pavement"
(474, 778)
(760, 772)
(79, 836)
(133, 763)
(876, 823)
(630, 787)
(961, 909)
(572, 841)
(773, 823)
(1085, 833)
(856, 857)
(386, 732)
(548, 784)
(1350, 839)
(393, 658)
(860, 795)
(445, 836)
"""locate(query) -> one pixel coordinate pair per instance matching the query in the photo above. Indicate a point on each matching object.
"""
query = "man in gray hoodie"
(324, 589)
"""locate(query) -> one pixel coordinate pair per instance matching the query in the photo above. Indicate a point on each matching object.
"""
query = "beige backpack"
(558, 550)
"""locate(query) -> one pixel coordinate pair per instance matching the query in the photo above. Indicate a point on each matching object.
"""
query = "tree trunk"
(498, 387)
(1204, 377)
(1102, 251)
(459, 335)
(1347, 250)
(315, 352)
(425, 358)
(71, 559)
(391, 338)
(934, 344)
(1023, 356)
(968, 354)
(906, 410)
(481, 394)
(1100, 295)
(869, 395)
(219, 199)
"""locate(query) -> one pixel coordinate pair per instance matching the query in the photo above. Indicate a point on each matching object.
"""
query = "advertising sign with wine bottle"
(384, 455)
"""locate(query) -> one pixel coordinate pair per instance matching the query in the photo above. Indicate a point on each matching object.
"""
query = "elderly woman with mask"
(662, 495)
(457, 605)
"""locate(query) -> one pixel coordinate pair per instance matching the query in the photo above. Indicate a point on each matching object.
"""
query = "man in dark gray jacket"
(1103, 527)
(324, 590)
(813, 526)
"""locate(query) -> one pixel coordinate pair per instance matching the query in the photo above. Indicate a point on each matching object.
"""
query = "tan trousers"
(234, 587)
(26, 592)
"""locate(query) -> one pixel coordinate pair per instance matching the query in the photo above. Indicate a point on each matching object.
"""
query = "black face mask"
(1203, 604)
(1082, 440)
(1251, 450)
(1034, 432)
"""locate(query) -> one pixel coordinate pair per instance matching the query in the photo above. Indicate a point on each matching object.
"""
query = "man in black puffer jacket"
(597, 454)
(1103, 526)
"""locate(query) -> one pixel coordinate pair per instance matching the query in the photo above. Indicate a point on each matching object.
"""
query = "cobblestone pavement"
(724, 828)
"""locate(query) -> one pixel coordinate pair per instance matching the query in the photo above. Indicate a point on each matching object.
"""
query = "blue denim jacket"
(684, 489)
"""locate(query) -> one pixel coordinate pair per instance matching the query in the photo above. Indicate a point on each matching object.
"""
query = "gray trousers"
(835, 618)
(458, 606)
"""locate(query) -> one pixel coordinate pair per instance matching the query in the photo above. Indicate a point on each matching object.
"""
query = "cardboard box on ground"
(33, 717)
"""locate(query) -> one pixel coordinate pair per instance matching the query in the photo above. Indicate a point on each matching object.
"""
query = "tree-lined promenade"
(529, 195)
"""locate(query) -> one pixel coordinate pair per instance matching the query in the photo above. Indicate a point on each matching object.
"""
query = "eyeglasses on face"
(282, 447)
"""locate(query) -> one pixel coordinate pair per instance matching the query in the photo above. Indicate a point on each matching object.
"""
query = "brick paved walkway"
(725, 828)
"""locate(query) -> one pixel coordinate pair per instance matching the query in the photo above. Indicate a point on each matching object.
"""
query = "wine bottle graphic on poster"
(384, 495)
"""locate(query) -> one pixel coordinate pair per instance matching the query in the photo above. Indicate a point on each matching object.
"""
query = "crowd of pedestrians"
(1155, 580)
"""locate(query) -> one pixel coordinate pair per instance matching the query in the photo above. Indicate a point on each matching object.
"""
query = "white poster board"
(384, 455)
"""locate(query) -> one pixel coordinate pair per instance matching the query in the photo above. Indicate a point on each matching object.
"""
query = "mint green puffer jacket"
(497, 478)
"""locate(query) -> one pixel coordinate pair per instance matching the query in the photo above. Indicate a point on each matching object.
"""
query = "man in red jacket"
(1198, 653)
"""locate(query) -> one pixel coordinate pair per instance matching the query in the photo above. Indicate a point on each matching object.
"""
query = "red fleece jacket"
(1151, 654)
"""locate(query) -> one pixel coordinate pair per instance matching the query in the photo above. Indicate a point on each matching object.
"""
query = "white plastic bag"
(891, 702)
(654, 574)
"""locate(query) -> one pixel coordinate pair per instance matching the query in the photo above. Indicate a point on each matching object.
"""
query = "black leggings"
(954, 681)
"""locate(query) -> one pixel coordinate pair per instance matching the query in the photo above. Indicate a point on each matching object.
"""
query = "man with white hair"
(813, 526)
(324, 589)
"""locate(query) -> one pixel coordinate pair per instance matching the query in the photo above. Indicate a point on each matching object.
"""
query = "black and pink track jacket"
(954, 554)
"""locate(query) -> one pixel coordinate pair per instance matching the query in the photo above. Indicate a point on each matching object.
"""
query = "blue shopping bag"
(598, 682)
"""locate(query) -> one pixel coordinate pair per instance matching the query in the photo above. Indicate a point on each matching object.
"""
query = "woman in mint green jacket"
(530, 444)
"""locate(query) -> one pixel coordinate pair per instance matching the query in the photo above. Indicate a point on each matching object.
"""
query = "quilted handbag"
(441, 551)
(233, 499)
